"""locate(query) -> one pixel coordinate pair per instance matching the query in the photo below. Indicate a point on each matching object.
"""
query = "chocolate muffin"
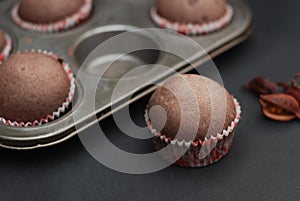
(33, 86)
(165, 97)
(47, 11)
(193, 120)
(2, 41)
(191, 11)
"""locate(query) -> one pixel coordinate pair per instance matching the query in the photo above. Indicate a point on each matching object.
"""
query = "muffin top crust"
(191, 11)
(176, 99)
(47, 11)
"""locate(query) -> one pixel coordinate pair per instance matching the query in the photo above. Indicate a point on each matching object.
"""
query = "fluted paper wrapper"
(200, 153)
(4, 54)
(192, 28)
(70, 21)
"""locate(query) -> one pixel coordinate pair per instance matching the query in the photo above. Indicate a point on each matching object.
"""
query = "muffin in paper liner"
(70, 21)
(61, 110)
(192, 28)
(4, 54)
(200, 153)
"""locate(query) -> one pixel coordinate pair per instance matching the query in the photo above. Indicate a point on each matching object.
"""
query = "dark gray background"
(264, 163)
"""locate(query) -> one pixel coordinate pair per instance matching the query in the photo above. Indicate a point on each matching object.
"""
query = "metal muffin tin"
(108, 19)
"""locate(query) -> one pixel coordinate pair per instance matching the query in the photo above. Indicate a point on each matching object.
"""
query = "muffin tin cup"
(190, 28)
(71, 21)
(60, 111)
(200, 153)
(116, 57)
(7, 49)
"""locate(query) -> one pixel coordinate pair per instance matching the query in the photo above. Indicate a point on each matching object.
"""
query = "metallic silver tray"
(110, 18)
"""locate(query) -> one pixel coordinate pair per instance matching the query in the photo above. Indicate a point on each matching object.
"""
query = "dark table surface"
(264, 163)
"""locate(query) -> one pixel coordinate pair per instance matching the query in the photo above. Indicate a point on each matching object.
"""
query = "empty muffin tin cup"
(113, 60)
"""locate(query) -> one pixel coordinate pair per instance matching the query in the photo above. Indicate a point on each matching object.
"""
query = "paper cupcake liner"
(60, 111)
(199, 153)
(81, 15)
(7, 49)
(192, 28)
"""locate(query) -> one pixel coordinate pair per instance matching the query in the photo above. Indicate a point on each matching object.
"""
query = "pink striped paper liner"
(4, 54)
(199, 153)
(70, 21)
(192, 28)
